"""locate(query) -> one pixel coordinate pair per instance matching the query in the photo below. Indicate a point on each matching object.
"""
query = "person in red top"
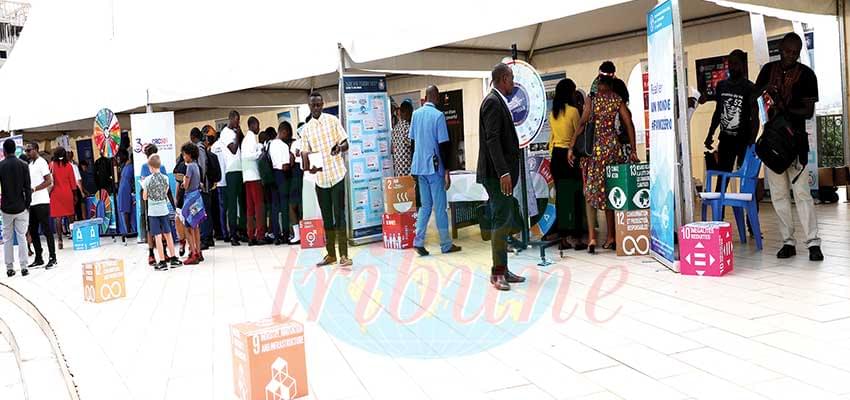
(62, 194)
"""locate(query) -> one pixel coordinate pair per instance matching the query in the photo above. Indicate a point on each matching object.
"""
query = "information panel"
(662, 122)
(368, 123)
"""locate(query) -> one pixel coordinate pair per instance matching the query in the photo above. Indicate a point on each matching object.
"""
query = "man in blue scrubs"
(430, 137)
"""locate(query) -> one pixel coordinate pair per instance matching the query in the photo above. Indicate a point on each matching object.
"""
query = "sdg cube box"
(705, 249)
(103, 280)
(86, 234)
(312, 233)
(627, 186)
(632, 232)
(399, 194)
(269, 362)
(399, 230)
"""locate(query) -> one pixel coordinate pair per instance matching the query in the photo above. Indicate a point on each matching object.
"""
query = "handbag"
(193, 211)
(484, 213)
(583, 146)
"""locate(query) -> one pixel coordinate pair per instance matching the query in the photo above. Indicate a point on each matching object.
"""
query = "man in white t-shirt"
(279, 153)
(254, 209)
(41, 180)
(234, 202)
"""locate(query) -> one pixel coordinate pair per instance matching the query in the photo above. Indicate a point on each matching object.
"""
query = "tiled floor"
(772, 329)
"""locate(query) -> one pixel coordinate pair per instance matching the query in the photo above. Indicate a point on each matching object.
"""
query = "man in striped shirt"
(325, 137)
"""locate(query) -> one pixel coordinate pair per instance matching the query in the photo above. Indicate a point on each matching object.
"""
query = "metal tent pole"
(523, 183)
(842, 49)
(685, 186)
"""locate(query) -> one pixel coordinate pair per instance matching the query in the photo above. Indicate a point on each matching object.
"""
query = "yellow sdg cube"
(103, 280)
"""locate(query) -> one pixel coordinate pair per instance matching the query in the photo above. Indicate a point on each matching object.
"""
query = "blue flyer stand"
(86, 234)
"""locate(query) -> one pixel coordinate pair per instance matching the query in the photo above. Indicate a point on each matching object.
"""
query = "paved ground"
(770, 330)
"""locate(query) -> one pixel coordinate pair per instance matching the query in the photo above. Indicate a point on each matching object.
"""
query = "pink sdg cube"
(705, 249)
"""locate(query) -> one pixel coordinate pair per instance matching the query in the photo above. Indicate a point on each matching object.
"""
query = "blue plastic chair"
(744, 201)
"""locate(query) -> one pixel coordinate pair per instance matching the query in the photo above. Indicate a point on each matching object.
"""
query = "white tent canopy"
(77, 57)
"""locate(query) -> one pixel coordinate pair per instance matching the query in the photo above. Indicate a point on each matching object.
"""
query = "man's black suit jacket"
(498, 145)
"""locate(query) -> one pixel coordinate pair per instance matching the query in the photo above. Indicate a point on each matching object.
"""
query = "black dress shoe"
(205, 246)
(37, 263)
(421, 251)
(235, 242)
(25, 272)
(278, 242)
(50, 263)
(453, 249)
(787, 251)
(10, 273)
(253, 243)
(580, 246)
(815, 254)
(499, 282)
(513, 278)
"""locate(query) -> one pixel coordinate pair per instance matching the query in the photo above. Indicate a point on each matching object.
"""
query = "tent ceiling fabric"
(820, 7)
(123, 54)
(610, 20)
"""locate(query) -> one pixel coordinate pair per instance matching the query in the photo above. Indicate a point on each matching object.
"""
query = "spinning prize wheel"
(527, 102)
(100, 206)
(107, 133)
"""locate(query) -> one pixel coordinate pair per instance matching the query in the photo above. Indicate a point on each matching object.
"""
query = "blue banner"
(662, 136)
(368, 123)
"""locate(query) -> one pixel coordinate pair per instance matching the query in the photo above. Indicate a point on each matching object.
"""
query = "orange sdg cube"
(103, 280)
(268, 360)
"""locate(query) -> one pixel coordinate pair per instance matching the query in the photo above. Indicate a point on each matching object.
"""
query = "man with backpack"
(791, 90)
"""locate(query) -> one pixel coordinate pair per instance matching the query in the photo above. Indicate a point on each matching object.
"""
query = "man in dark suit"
(498, 169)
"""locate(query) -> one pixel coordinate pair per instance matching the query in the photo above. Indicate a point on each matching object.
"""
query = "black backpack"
(776, 145)
(264, 165)
(213, 169)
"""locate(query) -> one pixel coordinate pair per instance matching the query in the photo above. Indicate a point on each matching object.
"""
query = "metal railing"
(830, 141)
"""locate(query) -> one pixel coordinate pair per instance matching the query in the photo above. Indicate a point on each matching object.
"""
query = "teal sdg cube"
(86, 234)
(627, 187)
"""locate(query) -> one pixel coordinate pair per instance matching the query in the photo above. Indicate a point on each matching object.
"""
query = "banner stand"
(671, 193)
(364, 111)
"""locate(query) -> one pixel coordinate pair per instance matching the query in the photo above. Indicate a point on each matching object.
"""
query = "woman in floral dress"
(605, 108)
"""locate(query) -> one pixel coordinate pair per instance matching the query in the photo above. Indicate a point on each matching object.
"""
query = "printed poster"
(710, 71)
(19, 145)
(158, 129)
(368, 123)
(662, 122)
(452, 108)
(285, 116)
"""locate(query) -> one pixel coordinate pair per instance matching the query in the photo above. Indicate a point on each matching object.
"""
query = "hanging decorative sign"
(527, 102)
(107, 133)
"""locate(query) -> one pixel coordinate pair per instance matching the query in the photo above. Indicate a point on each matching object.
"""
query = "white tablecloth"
(464, 188)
